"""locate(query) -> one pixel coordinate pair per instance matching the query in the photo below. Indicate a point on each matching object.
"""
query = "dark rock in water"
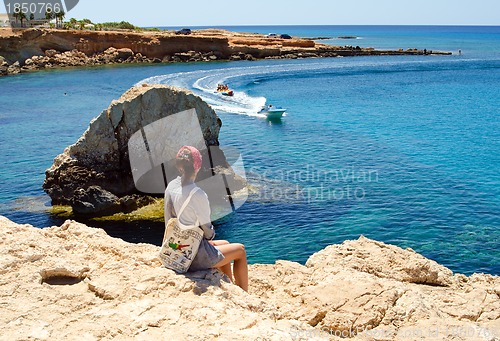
(132, 202)
(347, 37)
(94, 173)
(317, 38)
(95, 201)
(182, 56)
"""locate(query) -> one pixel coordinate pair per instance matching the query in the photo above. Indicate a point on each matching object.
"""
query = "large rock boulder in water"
(100, 158)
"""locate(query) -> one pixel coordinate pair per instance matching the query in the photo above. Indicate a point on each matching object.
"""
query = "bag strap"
(193, 191)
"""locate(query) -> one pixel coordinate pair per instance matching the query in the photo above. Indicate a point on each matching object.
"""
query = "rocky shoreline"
(75, 282)
(39, 49)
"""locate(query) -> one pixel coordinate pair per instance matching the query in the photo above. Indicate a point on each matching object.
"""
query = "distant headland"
(31, 49)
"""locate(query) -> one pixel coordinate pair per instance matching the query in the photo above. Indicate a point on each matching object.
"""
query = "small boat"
(223, 89)
(272, 112)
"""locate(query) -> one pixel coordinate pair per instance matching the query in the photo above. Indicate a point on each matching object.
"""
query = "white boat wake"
(203, 83)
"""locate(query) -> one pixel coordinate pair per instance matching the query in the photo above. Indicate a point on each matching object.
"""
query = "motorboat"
(272, 112)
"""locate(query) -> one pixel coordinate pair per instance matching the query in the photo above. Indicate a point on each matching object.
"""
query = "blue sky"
(287, 12)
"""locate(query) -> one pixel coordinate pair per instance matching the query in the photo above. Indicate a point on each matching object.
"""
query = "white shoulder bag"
(181, 242)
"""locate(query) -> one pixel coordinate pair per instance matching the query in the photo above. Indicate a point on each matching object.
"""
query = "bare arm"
(169, 212)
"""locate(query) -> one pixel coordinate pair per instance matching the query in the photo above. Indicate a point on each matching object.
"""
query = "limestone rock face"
(76, 282)
(404, 266)
(100, 157)
(368, 290)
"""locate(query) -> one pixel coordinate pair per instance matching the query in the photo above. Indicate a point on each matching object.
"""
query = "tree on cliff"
(71, 24)
(59, 18)
(19, 16)
(16, 16)
(49, 15)
(22, 16)
(84, 22)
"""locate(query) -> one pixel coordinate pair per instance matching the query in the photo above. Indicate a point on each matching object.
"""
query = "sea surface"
(401, 149)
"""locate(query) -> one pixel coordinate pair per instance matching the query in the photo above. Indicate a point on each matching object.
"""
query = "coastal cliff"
(74, 282)
(35, 49)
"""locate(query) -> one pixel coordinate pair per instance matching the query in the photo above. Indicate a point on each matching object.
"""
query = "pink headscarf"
(196, 156)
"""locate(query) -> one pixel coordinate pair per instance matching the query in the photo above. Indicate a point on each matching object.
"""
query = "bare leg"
(226, 269)
(237, 253)
(218, 242)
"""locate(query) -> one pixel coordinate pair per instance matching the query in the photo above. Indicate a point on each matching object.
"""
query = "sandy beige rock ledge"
(76, 282)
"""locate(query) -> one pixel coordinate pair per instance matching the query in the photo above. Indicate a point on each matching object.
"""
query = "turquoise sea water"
(402, 149)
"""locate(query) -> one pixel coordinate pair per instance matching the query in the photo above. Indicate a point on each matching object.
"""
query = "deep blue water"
(402, 149)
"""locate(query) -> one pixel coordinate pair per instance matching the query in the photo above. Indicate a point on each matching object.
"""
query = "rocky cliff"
(94, 175)
(33, 42)
(89, 47)
(34, 49)
(75, 282)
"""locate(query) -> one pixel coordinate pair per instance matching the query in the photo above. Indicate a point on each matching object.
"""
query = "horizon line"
(253, 25)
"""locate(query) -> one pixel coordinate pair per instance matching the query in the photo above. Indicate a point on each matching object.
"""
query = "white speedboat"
(272, 112)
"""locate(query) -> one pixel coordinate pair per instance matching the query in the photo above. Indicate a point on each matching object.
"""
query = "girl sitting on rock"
(216, 254)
